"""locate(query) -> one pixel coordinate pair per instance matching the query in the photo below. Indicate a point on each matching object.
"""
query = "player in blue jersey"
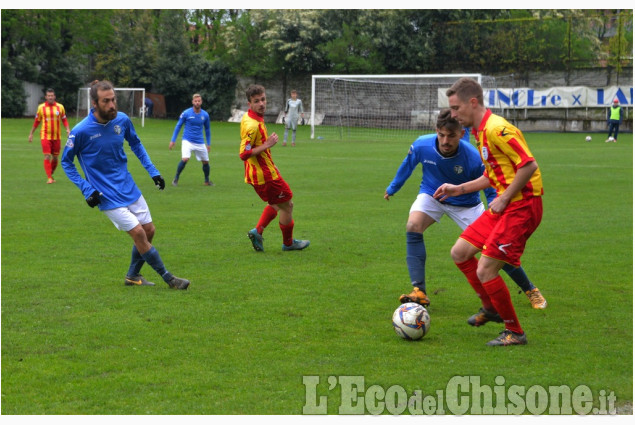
(196, 119)
(97, 142)
(445, 158)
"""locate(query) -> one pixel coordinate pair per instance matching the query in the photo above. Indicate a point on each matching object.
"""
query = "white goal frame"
(351, 112)
(130, 112)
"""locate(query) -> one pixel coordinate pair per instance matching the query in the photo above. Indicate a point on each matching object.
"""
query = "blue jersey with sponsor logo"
(465, 165)
(99, 151)
(194, 126)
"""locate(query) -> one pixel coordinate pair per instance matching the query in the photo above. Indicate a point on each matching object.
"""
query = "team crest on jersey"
(69, 141)
(117, 129)
(248, 147)
(458, 169)
(484, 153)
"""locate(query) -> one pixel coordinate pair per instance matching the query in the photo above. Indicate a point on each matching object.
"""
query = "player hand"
(445, 191)
(498, 205)
(272, 140)
(171, 145)
(386, 196)
(30, 138)
(93, 200)
(159, 182)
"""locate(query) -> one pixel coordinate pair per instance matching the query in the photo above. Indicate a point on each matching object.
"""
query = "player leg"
(48, 157)
(186, 153)
(286, 135)
(294, 129)
(55, 153)
(521, 279)
(203, 156)
(281, 196)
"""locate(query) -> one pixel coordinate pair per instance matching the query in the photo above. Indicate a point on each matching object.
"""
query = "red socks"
(287, 233)
(499, 294)
(469, 270)
(268, 214)
(48, 168)
(493, 294)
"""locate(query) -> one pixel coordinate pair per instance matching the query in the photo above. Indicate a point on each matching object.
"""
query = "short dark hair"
(445, 120)
(96, 86)
(50, 90)
(465, 89)
(253, 90)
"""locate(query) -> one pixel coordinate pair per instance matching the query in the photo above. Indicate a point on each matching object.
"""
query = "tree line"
(177, 52)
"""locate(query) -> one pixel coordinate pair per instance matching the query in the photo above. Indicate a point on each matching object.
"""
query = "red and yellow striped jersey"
(52, 117)
(259, 169)
(504, 150)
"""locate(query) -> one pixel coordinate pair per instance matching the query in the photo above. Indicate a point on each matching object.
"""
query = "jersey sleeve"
(208, 131)
(178, 126)
(404, 172)
(72, 149)
(248, 134)
(139, 150)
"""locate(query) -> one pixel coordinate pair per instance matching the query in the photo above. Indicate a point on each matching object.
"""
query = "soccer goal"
(130, 101)
(380, 107)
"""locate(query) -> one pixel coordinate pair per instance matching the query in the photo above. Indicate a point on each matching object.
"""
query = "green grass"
(75, 340)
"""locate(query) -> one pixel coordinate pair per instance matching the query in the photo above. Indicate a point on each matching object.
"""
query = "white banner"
(554, 97)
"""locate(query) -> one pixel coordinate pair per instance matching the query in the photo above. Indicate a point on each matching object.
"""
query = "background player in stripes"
(263, 175)
(52, 115)
(445, 157)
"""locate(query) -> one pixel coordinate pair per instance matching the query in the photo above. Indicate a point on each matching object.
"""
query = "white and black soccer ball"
(588, 138)
(411, 321)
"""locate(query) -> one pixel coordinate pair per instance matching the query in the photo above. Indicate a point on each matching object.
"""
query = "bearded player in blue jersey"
(446, 157)
(97, 142)
(195, 119)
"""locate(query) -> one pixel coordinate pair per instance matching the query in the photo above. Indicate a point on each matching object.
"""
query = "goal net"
(380, 107)
(130, 101)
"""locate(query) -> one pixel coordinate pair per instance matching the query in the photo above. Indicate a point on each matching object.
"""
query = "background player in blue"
(445, 158)
(97, 142)
(195, 119)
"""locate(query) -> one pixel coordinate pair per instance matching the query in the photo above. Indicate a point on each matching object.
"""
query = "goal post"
(131, 101)
(375, 107)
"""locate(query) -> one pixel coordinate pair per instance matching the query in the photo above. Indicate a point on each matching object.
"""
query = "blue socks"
(136, 262)
(519, 276)
(180, 168)
(153, 258)
(416, 259)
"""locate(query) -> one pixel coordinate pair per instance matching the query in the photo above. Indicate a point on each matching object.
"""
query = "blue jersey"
(194, 125)
(465, 165)
(99, 151)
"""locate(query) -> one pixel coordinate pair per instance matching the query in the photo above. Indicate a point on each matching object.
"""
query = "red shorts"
(50, 147)
(274, 192)
(503, 236)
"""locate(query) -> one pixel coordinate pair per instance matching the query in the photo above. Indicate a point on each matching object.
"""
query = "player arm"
(68, 165)
(139, 150)
(36, 124)
(403, 173)
(523, 175)
(208, 132)
(447, 190)
(177, 128)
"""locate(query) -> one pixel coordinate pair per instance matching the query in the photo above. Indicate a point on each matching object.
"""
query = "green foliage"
(75, 340)
(13, 95)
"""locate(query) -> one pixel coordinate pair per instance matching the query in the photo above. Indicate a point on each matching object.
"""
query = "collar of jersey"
(255, 116)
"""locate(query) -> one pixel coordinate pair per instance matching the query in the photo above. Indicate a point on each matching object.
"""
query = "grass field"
(75, 340)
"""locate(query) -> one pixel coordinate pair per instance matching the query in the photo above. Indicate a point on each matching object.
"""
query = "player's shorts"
(199, 149)
(50, 147)
(291, 122)
(127, 218)
(274, 192)
(463, 216)
(503, 236)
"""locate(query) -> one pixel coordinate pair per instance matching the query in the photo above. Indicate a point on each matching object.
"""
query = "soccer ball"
(588, 138)
(611, 139)
(411, 321)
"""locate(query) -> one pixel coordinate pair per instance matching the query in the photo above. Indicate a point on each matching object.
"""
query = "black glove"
(93, 200)
(302, 122)
(159, 182)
